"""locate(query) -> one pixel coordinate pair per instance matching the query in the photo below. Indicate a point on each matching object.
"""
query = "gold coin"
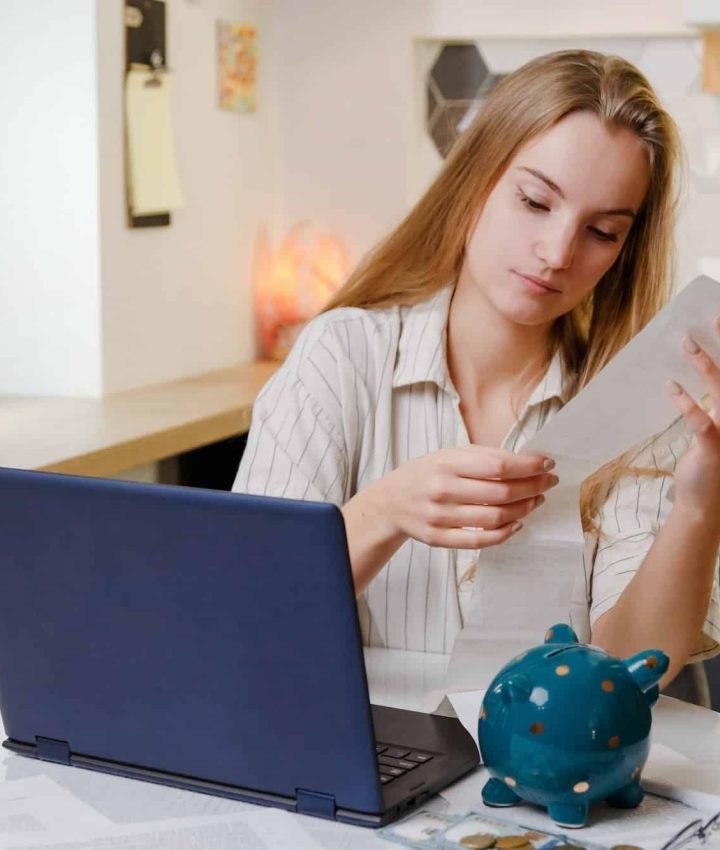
(511, 842)
(479, 841)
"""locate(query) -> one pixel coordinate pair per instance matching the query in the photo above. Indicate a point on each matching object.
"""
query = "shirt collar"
(422, 348)
(422, 351)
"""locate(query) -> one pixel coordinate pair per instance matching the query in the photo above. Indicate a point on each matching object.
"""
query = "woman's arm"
(468, 497)
(666, 603)
(372, 537)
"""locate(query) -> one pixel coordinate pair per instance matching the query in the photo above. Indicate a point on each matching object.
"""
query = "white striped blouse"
(365, 390)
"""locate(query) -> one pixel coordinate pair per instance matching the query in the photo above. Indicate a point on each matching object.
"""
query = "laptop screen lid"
(207, 634)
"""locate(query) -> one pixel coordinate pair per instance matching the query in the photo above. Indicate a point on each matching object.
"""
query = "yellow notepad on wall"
(153, 185)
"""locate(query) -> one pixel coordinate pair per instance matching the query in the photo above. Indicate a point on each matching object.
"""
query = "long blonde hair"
(426, 250)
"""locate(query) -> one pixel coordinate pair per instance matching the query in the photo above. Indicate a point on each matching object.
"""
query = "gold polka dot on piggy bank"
(614, 742)
(581, 787)
(608, 686)
(562, 670)
(510, 781)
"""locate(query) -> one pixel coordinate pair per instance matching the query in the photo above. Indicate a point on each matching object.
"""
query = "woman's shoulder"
(350, 336)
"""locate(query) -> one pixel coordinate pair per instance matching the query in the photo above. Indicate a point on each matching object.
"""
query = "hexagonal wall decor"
(456, 82)
(459, 71)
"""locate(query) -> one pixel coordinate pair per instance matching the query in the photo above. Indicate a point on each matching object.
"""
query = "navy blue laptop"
(202, 639)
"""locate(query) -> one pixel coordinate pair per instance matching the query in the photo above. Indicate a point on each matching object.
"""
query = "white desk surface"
(411, 680)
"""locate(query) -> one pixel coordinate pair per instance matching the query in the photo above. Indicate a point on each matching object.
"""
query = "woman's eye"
(603, 236)
(534, 205)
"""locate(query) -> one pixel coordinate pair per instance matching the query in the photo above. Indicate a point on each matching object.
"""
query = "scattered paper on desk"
(153, 185)
(38, 805)
(467, 708)
(265, 829)
(672, 721)
(649, 826)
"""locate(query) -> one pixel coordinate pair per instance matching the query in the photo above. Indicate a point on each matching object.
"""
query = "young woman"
(541, 249)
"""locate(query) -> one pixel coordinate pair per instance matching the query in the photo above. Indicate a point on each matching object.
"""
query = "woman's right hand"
(469, 497)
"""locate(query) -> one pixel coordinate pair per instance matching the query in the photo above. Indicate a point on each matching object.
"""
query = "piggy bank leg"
(569, 814)
(627, 797)
(497, 793)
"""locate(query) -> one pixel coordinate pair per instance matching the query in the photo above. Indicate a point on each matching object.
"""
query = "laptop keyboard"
(396, 761)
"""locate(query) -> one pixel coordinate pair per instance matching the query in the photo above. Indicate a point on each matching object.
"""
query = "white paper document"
(626, 403)
(533, 580)
(521, 588)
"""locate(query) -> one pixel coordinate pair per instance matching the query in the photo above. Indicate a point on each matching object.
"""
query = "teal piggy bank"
(565, 725)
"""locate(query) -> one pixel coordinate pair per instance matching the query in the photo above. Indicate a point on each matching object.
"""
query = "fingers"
(469, 491)
(483, 462)
(701, 424)
(474, 538)
(705, 366)
(481, 516)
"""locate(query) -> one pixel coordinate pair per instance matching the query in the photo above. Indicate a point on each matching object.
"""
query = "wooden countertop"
(107, 435)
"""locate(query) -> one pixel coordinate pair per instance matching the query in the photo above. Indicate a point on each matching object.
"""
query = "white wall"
(345, 104)
(49, 249)
(483, 18)
(90, 306)
(177, 300)
(349, 93)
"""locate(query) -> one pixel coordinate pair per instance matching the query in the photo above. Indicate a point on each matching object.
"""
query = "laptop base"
(446, 737)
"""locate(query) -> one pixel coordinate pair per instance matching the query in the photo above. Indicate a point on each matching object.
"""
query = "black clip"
(50, 749)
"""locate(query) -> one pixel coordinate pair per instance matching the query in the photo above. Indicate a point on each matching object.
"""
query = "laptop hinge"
(50, 749)
(315, 803)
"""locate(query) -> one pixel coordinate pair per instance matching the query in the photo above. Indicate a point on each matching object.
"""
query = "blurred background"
(183, 184)
(349, 107)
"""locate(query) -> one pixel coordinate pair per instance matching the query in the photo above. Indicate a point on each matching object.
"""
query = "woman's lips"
(534, 286)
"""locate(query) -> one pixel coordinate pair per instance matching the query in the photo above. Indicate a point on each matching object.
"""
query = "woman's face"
(560, 213)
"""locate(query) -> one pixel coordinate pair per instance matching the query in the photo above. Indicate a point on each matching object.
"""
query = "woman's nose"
(557, 248)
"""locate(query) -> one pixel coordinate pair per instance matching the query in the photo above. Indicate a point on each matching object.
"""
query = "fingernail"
(539, 500)
(674, 387)
(516, 526)
(554, 481)
(690, 345)
(549, 463)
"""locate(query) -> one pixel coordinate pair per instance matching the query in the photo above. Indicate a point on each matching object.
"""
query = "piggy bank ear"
(647, 668)
(560, 633)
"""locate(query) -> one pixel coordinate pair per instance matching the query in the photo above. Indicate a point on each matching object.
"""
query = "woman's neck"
(488, 354)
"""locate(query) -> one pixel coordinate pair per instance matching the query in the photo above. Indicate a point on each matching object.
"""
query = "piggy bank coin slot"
(562, 649)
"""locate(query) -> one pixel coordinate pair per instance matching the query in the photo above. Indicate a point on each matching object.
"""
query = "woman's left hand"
(697, 475)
